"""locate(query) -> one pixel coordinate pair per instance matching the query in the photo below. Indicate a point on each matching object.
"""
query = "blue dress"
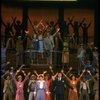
(40, 44)
(40, 90)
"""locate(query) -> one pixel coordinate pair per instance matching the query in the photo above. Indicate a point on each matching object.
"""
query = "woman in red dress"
(48, 81)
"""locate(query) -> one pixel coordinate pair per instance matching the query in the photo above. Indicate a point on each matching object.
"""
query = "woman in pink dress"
(19, 87)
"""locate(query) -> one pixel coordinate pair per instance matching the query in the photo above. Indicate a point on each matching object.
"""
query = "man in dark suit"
(59, 87)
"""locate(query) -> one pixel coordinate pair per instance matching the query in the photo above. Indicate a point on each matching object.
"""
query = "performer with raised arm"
(38, 74)
(34, 41)
(68, 73)
(96, 85)
(31, 87)
(33, 47)
(66, 26)
(8, 89)
(89, 66)
(53, 75)
(49, 44)
(85, 28)
(52, 26)
(49, 79)
(19, 85)
(60, 86)
(40, 89)
(84, 89)
(76, 27)
(18, 26)
(73, 93)
(8, 29)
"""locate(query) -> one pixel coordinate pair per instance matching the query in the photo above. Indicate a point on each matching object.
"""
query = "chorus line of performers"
(49, 86)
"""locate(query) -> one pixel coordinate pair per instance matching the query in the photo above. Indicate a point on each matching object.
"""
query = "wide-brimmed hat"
(19, 76)
(32, 76)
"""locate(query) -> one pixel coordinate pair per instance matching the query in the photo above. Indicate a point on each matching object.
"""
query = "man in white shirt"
(84, 89)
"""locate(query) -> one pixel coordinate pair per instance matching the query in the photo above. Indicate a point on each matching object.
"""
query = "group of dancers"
(45, 38)
(49, 85)
(53, 85)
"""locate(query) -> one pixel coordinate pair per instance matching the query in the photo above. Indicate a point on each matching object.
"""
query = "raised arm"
(48, 23)
(66, 76)
(81, 22)
(26, 78)
(36, 73)
(56, 32)
(33, 26)
(45, 29)
(82, 63)
(89, 25)
(70, 20)
(14, 19)
(13, 76)
(60, 37)
(91, 76)
(78, 79)
(40, 22)
(55, 24)
(51, 70)
(52, 27)
(69, 70)
(44, 73)
(54, 76)
(4, 74)
(29, 35)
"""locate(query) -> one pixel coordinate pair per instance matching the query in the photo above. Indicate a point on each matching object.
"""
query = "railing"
(46, 58)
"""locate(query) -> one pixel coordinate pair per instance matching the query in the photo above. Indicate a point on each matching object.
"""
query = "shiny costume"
(73, 95)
